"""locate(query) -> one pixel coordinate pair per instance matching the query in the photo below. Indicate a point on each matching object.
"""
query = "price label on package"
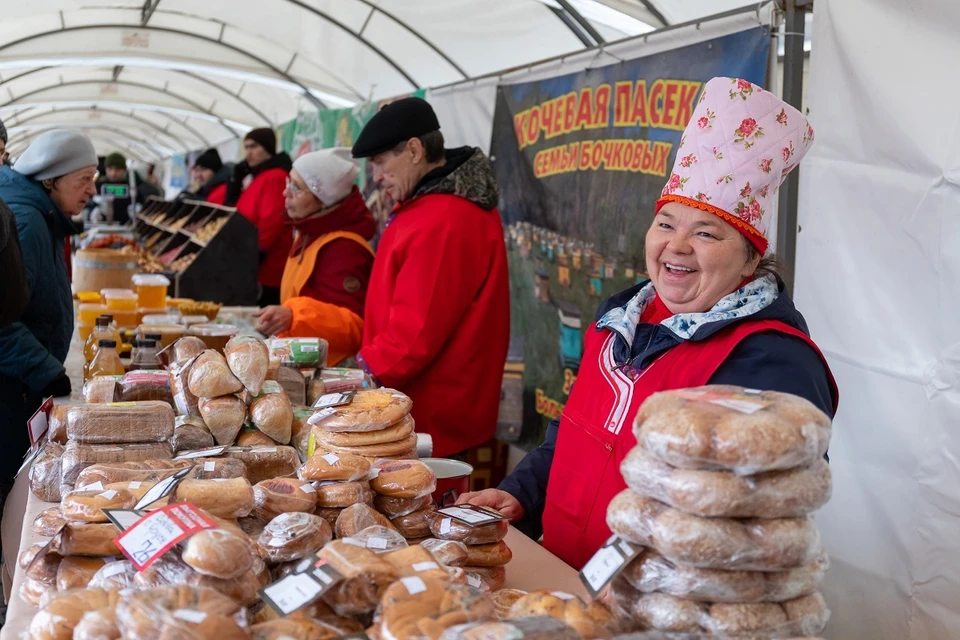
(472, 515)
(607, 563)
(297, 590)
(156, 533)
(330, 400)
(209, 452)
(748, 402)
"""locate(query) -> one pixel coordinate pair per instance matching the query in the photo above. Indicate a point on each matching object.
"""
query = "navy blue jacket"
(769, 360)
(33, 349)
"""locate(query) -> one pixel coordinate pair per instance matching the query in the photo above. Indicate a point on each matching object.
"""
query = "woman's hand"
(495, 499)
(274, 320)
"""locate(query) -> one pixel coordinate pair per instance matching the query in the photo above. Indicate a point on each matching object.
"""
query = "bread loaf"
(292, 536)
(81, 539)
(774, 494)
(114, 472)
(492, 578)
(223, 416)
(283, 495)
(396, 507)
(414, 525)
(594, 621)
(48, 522)
(334, 467)
(40, 565)
(264, 463)
(286, 629)
(370, 410)
(255, 438)
(188, 347)
(87, 506)
(190, 433)
(76, 572)
(416, 561)
(114, 575)
(101, 389)
(415, 608)
(316, 610)
(167, 570)
(330, 515)
(358, 517)
(272, 413)
(185, 403)
(293, 384)
(223, 498)
(650, 572)
(315, 389)
(447, 552)
(489, 555)
(399, 450)
(57, 424)
(714, 543)
(217, 468)
(77, 457)
(535, 628)
(146, 386)
(45, 473)
(447, 528)
(395, 433)
(218, 553)
(122, 422)
(403, 479)
(721, 427)
(210, 377)
(366, 577)
(57, 619)
(343, 494)
(504, 599)
(248, 358)
(181, 612)
(98, 625)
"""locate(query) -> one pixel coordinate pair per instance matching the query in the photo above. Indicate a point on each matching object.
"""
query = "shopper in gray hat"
(51, 181)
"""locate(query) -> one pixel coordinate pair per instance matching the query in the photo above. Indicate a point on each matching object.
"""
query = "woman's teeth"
(678, 269)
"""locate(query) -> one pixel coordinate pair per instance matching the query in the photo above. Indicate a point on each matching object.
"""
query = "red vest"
(596, 430)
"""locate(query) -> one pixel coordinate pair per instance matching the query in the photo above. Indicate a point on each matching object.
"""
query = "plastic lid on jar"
(214, 330)
(110, 344)
(150, 280)
(92, 307)
(162, 329)
(161, 319)
(117, 294)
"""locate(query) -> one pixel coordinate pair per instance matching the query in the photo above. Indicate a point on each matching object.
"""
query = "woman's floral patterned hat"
(737, 149)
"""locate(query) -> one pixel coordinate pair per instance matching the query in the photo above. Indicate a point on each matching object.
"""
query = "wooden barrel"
(96, 269)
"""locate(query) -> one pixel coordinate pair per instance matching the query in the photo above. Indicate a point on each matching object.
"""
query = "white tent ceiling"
(180, 74)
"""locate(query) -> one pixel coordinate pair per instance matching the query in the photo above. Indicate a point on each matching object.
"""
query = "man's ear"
(418, 153)
(48, 184)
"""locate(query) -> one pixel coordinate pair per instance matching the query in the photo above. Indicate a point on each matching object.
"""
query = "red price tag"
(158, 532)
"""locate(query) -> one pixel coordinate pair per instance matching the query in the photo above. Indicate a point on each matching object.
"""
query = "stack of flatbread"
(376, 424)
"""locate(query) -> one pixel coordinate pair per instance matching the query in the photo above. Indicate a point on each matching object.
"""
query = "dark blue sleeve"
(776, 361)
(528, 483)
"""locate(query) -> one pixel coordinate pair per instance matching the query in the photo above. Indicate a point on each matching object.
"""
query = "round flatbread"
(388, 449)
(370, 410)
(395, 433)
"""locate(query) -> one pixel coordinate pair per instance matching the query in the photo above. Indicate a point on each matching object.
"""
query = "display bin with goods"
(210, 252)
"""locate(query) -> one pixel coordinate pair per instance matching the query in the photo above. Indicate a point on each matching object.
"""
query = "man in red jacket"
(256, 190)
(437, 317)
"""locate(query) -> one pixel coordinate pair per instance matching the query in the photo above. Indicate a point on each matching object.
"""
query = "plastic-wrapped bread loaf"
(223, 498)
(210, 377)
(283, 495)
(58, 617)
(366, 577)
(82, 539)
(358, 517)
(714, 543)
(417, 561)
(76, 572)
(248, 359)
(292, 536)
(87, 506)
(77, 457)
(223, 416)
(370, 410)
(180, 612)
(447, 528)
(343, 494)
(650, 572)
(190, 433)
(255, 438)
(144, 386)
(45, 473)
(57, 424)
(334, 467)
(398, 432)
(188, 347)
(184, 401)
(97, 625)
(114, 575)
(114, 472)
(775, 494)
(272, 413)
(101, 389)
(590, 621)
(243, 590)
(403, 479)
(532, 628)
(722, 427)
(378, 539)
(414, 525)
(48, 522)
(264, 463)
(218, 553)
(424, 608)
(121, 422)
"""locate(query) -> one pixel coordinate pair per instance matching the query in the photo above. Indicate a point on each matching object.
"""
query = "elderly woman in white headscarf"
(325, 281)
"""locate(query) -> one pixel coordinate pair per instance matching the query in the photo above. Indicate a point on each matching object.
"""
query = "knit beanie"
(56, 153)
(115, 161)
(209, 159)
(264, 137)
(3, 132)
(329, 173)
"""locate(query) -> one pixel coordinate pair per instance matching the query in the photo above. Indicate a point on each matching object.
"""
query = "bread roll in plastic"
(366, 577)
(255, 438)
(370, 410)
(101, 389)
(417, 561)
(286, 629)
(188, 347)
(447, 528)
(98, 625)
(343, 494)
(49, 521)
(447, 552)
(403, 479)
(243, 589)
(180, 612)
(590, 621)
(210, 377)
(535, 628)
(292, 536)
(414, 525)
(115, 575)
(248, 359)
(231, 498)
(272, 413)
(45, 473)
(327, 467)
(76, 572)
(57, 619)
(496, 554)
(190, 433)
(396, 507)
(168, 570)
(395, 433)
(283, 495)
(490, 578)
(87, 506)
(218, 553)
(377, 539)
(417, 608)
(223, 416)
(358, 517)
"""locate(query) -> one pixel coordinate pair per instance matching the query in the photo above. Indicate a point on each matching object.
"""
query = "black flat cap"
(395, 123)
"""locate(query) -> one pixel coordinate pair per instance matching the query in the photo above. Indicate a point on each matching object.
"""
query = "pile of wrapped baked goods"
(722, 485)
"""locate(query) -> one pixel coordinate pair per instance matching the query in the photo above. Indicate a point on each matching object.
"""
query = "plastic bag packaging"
(489, 555)
(44, 473)
(187, 348)
(504, 599)
(405, 449)
(590, 621)
(330, 514)
(417, 608)
(272, 413)
(282, 495)
(121, 422)
(343, 494)
(210, 377)
(86, 506)
(300, 430)
(248, 359)
(143, 386)
(264, 463)
(316, 610)
(488, 579)
(217, 468)
(358, 517)
(231, 498)
(254, 438)
(223, 416)
(292, 536)
(76, 572)
(447, 552)
(327, 467)
(252, 526)
(385, 440)
(315, 389)
(720, 427)
(48, 522)
(535, 628)
(417, 561)
(57, 424)
(370, 410)
(113, 472)
(339, 380)
(190, 433)
(57, 619)
(396, 507)
(94, 540)
(287, 629)
(101, 389)
(775, 494)
(115, 575)
(447, 528)
(377, 539)
(302, 353)
(714, 543)
(183, 399)
(218, 553)
(32, 591)
(414, 525)
(366, 576)
(168, 570)
(77, 457)
(800, 617)
(181, 612)
(39, 565)
(403, 479)
(650, 572)
(98, 625)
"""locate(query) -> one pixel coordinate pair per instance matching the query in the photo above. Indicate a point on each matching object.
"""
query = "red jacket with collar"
(437, 321)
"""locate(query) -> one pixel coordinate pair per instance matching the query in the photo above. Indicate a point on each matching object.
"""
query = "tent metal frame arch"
(23, 143)
(127, 83)
(180, 141)
(88, 27)
(125, 134)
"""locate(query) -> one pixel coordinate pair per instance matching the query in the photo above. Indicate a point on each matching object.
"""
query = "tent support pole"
(787, 228)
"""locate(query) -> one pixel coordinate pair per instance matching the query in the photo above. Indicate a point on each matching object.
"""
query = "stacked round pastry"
(485, 554)
(722, 485)
(375, 425)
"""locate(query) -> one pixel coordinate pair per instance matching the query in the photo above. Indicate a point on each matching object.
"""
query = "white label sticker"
(474, 580)
(445, 525)
(562, 595)
(219, 479)
(425, 566)
(114, 568)
(264, 450)
(309, 348)
(136, 484)
(320, 416)
(332, 458)
(308, 488)
(353, 542)
(743, 406)
(190, 615)
(601, 567)
(472, 515)
(96, 486)
(414, 585)
(293, 592)
(108, 495)
(376, 543)
(209, 465)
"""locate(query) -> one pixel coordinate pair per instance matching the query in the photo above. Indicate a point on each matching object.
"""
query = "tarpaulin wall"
(878, 279)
